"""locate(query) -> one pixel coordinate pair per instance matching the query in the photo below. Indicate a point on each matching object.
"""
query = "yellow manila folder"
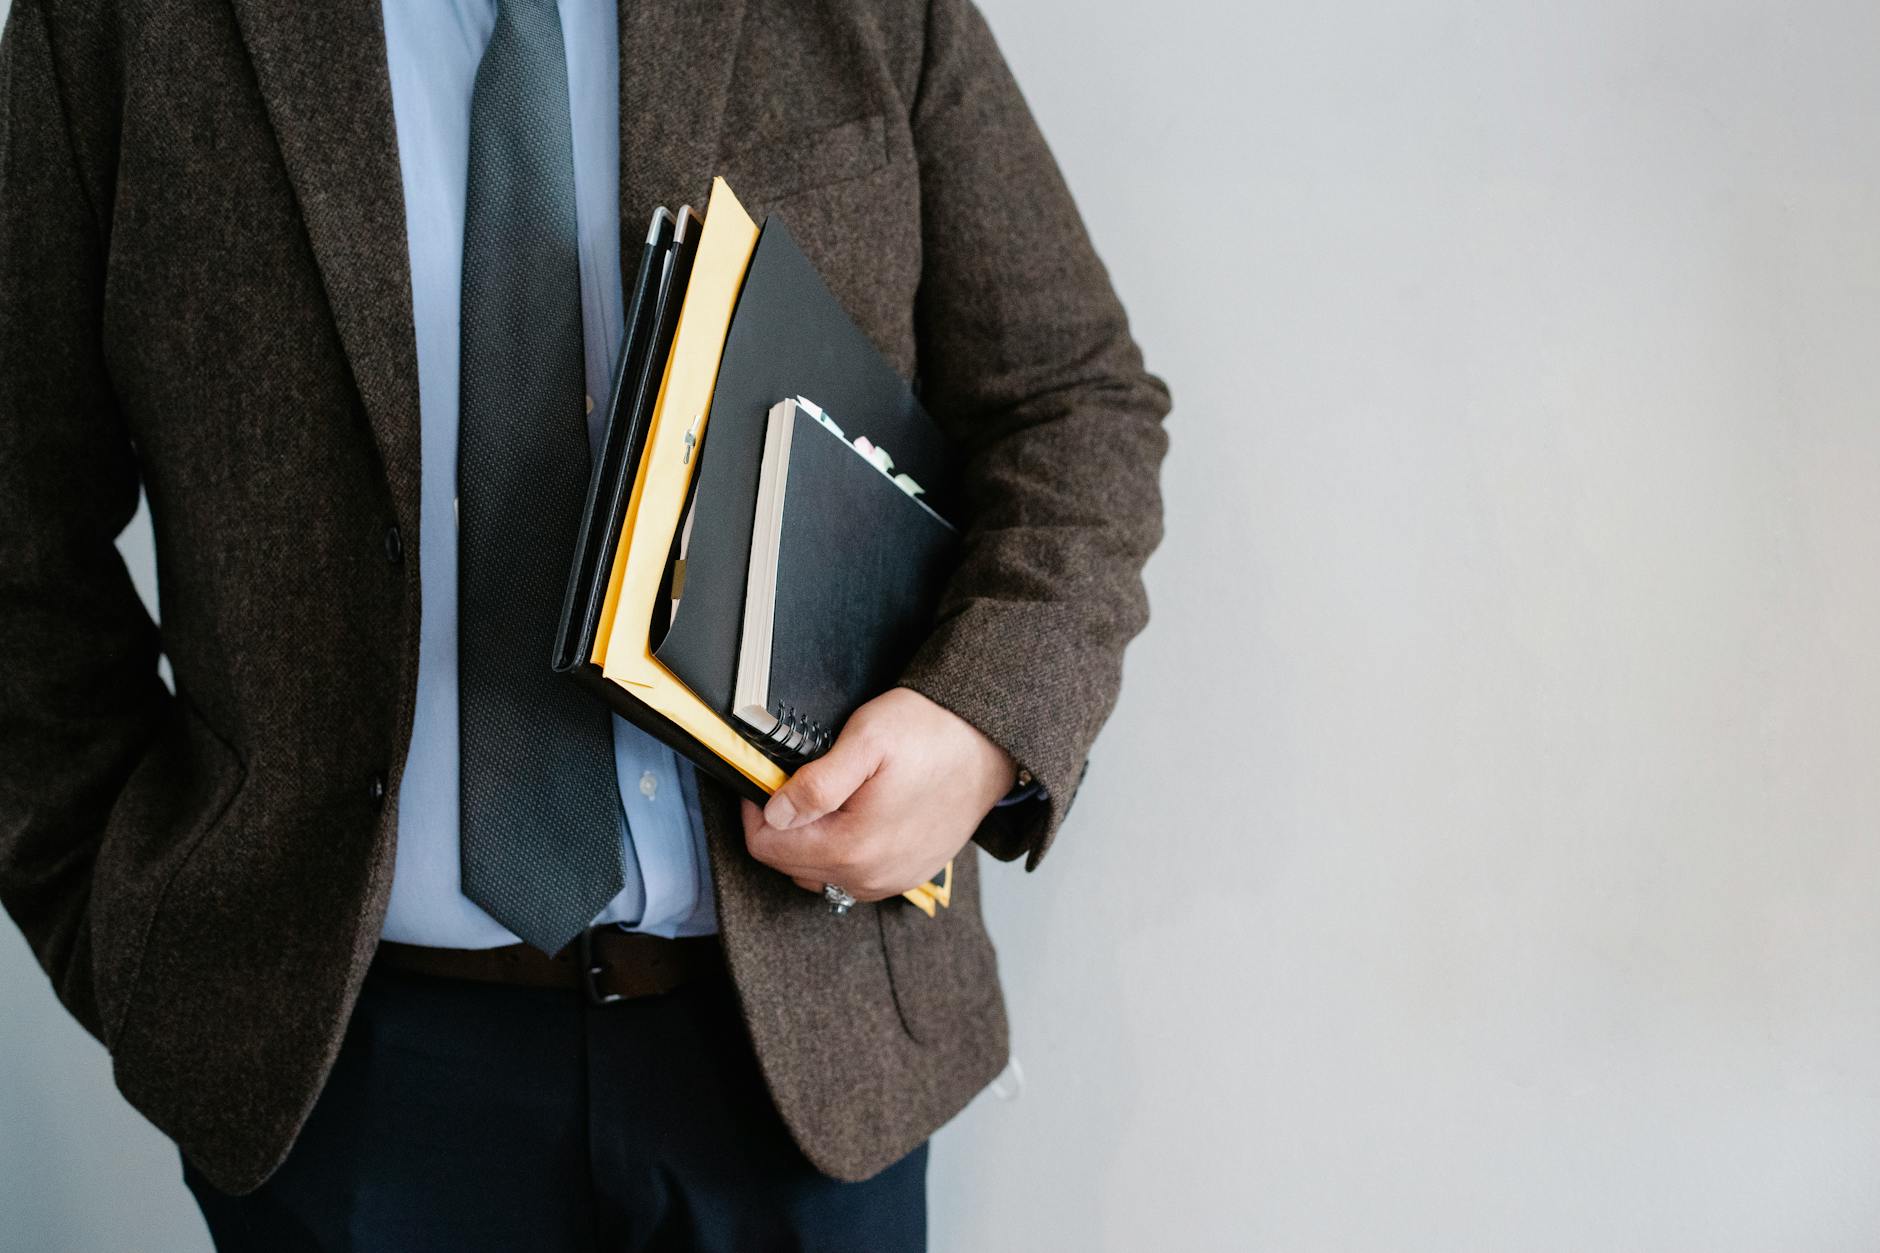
(674, 433)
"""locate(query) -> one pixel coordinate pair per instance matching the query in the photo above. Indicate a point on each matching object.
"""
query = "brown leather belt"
(605, 963)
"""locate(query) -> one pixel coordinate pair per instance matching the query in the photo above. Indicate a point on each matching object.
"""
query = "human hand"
(894, 799)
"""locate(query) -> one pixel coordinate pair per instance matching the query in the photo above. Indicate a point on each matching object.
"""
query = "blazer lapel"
(322, 73)
(676, 62)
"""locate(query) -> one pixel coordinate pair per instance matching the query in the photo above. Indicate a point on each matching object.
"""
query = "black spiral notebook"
(846, 565)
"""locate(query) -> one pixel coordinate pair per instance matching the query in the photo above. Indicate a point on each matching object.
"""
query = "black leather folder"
(652, 316)
(790, 336)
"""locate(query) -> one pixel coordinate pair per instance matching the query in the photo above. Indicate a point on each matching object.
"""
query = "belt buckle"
(590, 968)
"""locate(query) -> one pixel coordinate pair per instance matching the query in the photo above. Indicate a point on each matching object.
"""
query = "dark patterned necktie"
(541, 841)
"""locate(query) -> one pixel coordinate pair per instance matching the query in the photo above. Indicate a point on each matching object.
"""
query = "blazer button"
(376, 789)
(394, 546)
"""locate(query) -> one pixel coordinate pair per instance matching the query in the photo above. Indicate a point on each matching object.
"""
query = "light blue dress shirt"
(433, 47)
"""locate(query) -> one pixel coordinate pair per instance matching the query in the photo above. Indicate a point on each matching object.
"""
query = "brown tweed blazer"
(204, 289)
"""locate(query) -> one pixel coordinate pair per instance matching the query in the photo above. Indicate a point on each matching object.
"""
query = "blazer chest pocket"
(765, 172)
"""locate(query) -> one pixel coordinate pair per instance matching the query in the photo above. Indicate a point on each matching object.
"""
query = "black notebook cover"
(860, 565)
(790, 336)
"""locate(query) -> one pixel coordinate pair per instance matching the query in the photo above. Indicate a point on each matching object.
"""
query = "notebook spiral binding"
(797, 737)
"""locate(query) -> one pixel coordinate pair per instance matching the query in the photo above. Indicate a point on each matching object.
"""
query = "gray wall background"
(1482, 856)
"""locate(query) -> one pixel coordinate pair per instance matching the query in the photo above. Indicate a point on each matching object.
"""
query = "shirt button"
(590, 404)
(649, 784)
(394, 546)
(376, 788)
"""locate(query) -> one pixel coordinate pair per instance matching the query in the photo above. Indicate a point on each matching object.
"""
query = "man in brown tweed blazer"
(206, 290)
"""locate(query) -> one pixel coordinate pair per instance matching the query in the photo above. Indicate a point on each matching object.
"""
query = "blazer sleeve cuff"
(1034, 700)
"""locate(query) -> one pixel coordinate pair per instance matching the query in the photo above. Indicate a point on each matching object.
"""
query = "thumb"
(822, 785)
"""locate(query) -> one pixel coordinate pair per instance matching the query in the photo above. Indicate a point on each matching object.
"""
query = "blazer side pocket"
(943, 969)
(176, 795)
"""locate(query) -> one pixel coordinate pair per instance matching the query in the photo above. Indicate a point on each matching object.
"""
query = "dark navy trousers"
(468, 1116)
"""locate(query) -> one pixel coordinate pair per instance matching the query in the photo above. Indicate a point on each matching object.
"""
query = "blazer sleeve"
(1026, 355)
(80, 697)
